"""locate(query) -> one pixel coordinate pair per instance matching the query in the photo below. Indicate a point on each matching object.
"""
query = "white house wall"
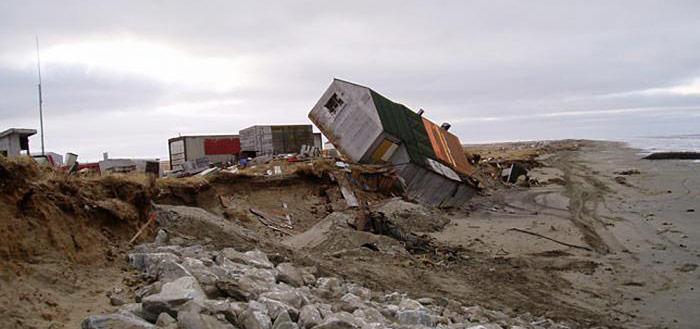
(355, 126)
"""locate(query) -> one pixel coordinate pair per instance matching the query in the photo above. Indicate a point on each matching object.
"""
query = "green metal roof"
(400, 121)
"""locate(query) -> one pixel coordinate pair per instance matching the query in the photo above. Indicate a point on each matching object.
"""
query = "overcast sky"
(124, 76)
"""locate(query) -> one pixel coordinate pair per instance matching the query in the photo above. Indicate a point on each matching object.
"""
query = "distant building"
(53, 158)
(273, 140)
(15, 140)
(366, 127)
(215, 148)
(111, 166)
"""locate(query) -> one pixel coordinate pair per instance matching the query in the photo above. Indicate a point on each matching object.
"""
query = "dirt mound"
(412, 217)
(60, 235)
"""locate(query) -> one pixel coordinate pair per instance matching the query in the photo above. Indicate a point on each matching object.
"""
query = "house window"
(334, 104)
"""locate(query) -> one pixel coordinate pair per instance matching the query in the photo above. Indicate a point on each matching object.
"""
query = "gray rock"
(161, 237)
(162, 266)
(426, 301)
(415, 317)
(275, 308)
(325, 309)
(486, 326)
(171, 297)
(370, 315)
(148, 290)
(166, 321)
(284, 321)
(115, 321)
(288, 296)
(389, 310)
(134, 308)
(192, 320)
(453, 316)
(206, 275)
(307, 274)
(410, 304)
(475, 314)
(359, 291)
(393, 298)
(266, 275)
(287, 273)
(341, 320)
(117, 296)
(255, 257)
(244, 288)
(330, 287)
(309, 316)
(255, 317)
(349, 303)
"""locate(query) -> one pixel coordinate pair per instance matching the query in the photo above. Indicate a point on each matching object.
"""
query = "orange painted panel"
(448, 148)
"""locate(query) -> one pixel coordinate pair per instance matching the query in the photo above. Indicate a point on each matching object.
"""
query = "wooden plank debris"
(269, 221)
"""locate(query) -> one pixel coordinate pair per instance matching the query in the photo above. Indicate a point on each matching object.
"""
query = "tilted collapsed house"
(366, 127)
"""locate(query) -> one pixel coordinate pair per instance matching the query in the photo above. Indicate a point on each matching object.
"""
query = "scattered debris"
(513, 173)
(628, 172)
(550, 239)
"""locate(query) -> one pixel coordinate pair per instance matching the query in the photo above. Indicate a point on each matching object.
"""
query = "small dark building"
(273, 140)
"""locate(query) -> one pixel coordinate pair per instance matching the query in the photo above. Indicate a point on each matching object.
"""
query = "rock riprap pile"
(195, 288)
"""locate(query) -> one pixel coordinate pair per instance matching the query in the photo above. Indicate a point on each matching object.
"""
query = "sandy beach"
(642, 229)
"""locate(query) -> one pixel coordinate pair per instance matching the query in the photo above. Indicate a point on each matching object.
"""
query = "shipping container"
(215, 148)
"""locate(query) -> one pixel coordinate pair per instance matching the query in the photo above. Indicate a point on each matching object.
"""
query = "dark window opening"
(334, 103)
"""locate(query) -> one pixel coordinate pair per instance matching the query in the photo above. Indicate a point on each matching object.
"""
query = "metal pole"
(41, 100)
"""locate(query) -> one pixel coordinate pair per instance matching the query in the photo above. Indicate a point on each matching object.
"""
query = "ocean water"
(675, 143)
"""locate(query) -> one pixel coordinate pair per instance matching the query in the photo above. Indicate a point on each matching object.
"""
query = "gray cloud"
(461, 61)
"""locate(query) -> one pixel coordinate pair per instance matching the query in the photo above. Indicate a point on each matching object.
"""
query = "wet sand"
(638, 235)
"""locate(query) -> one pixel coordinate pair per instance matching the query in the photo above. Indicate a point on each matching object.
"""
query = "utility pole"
(41, 100)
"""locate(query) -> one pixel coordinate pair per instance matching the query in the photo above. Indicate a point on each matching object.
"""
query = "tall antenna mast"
(41, 100)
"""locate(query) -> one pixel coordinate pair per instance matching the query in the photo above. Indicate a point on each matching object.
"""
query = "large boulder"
(309, 316)
(207, 276)
(192, 320)
(255, 317)
(412, 312)
(223, 308)
(288, 296)
(287, 273)
(276, 307)
(349, 303)
(115, 321)
(171, 297)
(255, 257)
(163, 266)
(415, 317)
(284, 321)
(244, 288)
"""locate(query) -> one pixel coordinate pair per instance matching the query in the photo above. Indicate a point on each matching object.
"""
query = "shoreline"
(641, 224)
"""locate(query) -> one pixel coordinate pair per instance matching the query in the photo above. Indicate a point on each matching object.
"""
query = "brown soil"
(62, 241)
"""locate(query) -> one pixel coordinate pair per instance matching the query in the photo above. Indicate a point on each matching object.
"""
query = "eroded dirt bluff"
(214, 248)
